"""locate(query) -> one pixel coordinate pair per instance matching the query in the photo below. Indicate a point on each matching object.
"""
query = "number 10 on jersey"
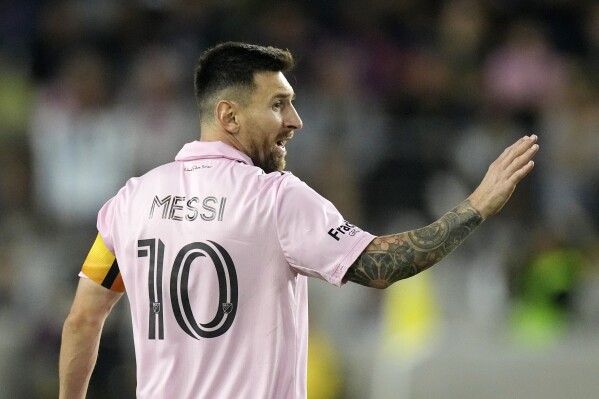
(154, 249)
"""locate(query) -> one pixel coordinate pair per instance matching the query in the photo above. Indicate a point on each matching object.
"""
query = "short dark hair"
(232, 65)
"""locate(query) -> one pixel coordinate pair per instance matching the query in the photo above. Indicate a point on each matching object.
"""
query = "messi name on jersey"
(175, 207)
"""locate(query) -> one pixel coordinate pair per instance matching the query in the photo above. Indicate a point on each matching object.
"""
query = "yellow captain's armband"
(101, 266)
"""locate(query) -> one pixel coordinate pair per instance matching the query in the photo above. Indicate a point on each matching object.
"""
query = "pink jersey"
(214, 254)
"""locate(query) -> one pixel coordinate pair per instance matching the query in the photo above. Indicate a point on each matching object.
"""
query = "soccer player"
(214, 249)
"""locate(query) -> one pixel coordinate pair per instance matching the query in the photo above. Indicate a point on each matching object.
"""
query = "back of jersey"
(215, 305)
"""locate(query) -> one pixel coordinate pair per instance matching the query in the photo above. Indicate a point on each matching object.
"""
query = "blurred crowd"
(405, 103)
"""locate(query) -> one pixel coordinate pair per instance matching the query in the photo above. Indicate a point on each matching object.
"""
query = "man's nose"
(294, 122)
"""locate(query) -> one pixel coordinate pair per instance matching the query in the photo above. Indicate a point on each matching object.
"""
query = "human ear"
(226, 115)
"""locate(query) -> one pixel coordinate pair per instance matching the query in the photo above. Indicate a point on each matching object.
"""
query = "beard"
(270, 159)
(265, 154)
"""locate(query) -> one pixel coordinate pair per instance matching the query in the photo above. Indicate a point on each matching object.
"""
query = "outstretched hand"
(503, 175)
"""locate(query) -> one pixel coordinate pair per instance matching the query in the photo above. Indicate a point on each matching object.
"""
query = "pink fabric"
(266, 231)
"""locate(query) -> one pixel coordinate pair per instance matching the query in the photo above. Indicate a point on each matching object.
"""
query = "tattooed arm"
(391, 258)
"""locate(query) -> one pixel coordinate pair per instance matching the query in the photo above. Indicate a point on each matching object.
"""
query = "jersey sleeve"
(315, 238)
(101, 266)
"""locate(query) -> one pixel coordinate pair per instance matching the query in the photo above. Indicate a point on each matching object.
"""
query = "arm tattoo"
(391, 258)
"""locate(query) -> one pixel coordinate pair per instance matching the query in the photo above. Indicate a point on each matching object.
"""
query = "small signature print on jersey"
(196, 167)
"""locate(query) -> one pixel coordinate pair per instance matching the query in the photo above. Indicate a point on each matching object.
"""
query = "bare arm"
(391, 258)
(81, 337)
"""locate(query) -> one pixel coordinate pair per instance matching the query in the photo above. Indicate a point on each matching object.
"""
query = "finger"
(521, 173)
(523, 158)
(523, 145)
(509, 150)
(518, 148)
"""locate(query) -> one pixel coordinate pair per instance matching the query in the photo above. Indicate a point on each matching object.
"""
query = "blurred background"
(405, 103)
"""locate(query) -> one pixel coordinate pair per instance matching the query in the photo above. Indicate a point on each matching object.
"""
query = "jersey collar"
(210, 150)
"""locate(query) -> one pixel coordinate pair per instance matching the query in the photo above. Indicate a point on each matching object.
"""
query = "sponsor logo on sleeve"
(346, 229)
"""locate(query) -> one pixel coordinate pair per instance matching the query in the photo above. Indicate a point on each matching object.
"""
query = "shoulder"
(274, 182)
(287, 182)
(284, 177)
(292, 192)
(163, 172)
(134, 187)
